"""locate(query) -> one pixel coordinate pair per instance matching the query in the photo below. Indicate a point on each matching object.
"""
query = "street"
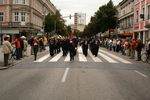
(109, 76)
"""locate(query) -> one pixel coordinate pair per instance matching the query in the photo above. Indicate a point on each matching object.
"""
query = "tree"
(54, 23)
(103, 20)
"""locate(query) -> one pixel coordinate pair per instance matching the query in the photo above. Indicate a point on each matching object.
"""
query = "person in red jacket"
(35, 47)
(133, 45)
(16, 42)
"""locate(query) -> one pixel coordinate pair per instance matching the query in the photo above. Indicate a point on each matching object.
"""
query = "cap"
(23, 37)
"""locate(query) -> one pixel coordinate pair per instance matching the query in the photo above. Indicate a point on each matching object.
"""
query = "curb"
(3, 68)
(18, 62)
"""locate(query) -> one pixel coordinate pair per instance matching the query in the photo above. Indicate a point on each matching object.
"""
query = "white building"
(126, 16)
(79, 21)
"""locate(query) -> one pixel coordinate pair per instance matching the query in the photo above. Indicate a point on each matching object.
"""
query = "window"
(143, 12)
(23, 1)
(23, 14)
(19, 1)
(137, 16)
(16, 16)
(1, 1)
(149, 12)
(16, 1)
(1, 16)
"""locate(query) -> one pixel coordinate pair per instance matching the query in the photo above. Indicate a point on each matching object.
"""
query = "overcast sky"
(89, 7)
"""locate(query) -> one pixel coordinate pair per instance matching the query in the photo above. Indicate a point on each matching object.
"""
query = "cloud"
(89, 7)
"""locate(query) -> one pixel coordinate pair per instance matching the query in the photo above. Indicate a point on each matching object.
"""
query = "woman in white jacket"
(6, 49)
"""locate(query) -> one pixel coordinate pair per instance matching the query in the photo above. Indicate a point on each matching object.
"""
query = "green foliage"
(54, 23)
(103, 20)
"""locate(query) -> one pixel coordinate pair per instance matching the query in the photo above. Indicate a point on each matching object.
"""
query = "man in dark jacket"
(72, 50)
(139, 47)
(85, 47)
(31, 44)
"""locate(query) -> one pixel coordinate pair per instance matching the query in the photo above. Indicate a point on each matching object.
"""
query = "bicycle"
(145, 57)
(12, 56)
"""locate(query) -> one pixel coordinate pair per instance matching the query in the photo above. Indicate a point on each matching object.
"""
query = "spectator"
(31, 44)
(139, 47)
(18, 47)
(35, 47)
(6, 49)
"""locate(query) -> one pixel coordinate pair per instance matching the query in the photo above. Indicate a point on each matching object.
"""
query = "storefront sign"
(9, 32)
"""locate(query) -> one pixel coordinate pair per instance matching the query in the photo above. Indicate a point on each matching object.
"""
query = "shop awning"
(9, 31)
(128, 34)
(147, 26)
(39, 34)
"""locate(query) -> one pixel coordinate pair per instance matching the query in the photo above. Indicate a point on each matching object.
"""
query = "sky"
(67, 7)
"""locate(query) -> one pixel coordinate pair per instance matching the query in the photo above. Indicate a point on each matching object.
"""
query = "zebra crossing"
(103, 56)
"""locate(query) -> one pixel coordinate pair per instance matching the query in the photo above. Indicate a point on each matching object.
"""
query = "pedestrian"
(22, 46)
(35, 47)
(16, 42)
(51, 47)
(139, 47)
(147, 47)
(41, 44)
(25, 46)
(114, 43)
(133, 44)
(72, 50)
(96, 48)
(6, 49)
(31, 44)
(65, 45)
(85, 47)
(118, 45)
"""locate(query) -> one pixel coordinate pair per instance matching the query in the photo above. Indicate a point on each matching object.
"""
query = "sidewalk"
(143, 51)
(15, 61)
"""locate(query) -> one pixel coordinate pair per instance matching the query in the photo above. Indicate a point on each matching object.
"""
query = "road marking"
(96, 59)
(116, 57)
(56, 58)
(82, 58)
(67, 58)
(65, 75)
(43, 58)
(107, 58)
(140, 73)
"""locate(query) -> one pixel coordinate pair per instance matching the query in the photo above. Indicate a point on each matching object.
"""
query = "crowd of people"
(21, 47)
(67, 45)
(127, 46)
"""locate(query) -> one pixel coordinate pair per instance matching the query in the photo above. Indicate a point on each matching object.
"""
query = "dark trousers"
(72, 53)
(139, 55)
(35, 53)
(6, 57)
(18, 53)
(51, 52)
(114, 48)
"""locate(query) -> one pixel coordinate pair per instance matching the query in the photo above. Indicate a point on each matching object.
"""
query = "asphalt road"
(106, 77)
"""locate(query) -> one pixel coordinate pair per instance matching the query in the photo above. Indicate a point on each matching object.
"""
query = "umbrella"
(39, 33)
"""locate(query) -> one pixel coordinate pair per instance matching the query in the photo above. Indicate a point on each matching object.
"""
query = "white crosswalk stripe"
(110, 58)
(56, 58)
(96, 59)
(67, 58)
(116, 57)
(43, 58)
(82, 58)
(107, 58)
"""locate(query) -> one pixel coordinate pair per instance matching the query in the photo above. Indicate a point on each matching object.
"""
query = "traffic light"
(70, 16)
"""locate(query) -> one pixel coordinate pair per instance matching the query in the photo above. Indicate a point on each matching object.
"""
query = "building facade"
(79, 21)
(142, 19)
(23, 17)
(126, 16)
